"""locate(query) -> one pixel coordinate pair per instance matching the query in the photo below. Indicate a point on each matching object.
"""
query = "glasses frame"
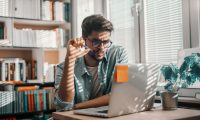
(95, 39)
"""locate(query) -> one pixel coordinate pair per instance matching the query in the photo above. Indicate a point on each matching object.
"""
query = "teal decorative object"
(170, 73)
(190, 69)
(186, 75)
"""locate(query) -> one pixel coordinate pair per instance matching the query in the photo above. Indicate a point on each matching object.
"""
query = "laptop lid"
(138, 93)
(193, 89)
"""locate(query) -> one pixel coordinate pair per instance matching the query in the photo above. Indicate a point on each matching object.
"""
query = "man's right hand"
(76, 48)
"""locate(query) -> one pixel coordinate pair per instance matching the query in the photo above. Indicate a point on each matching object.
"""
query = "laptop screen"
(193, 89)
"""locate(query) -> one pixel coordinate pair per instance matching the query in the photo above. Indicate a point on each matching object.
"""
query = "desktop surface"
(155, 114)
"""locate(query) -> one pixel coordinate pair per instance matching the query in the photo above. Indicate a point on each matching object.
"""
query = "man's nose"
(101, 46)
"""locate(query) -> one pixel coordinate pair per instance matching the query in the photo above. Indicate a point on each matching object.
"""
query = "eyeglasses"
(97, 42)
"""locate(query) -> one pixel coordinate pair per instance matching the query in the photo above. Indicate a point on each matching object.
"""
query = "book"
(26, 88)
(26, 96)
(11, 70)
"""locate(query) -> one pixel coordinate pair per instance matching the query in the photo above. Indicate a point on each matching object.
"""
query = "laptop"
(189, 94)
(135, 95)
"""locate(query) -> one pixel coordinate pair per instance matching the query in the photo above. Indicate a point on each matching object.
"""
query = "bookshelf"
(35, 31)
(30, 115)
(27, 99)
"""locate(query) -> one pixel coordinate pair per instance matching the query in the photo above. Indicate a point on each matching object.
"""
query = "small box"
(197, 95)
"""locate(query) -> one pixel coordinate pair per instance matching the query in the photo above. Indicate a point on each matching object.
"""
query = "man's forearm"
(66, 90)
(97, 102)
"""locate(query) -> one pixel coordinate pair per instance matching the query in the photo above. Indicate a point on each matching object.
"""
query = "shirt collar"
(83, 65)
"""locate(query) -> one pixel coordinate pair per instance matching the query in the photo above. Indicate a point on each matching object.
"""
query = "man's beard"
(93, 54)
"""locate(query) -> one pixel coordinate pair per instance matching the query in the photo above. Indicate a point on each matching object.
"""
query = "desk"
(154, 114)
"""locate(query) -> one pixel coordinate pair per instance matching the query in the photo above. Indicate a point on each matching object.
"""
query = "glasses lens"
(107, 43)
(97, 43)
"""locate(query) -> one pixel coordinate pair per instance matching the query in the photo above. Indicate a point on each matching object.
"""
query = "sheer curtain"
(163, 30)
(123, 21)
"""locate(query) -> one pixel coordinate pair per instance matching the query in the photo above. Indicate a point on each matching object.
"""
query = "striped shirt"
(83, 79)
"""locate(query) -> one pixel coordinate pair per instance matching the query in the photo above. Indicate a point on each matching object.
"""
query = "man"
(85, 78)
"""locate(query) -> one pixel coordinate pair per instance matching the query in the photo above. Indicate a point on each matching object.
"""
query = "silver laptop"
(136, 95)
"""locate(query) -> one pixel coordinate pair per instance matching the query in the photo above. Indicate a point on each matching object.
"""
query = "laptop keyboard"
(103, 111)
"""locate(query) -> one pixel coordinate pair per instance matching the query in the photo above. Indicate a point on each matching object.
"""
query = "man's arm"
(66, 90)
(67, 81)
(97, 102)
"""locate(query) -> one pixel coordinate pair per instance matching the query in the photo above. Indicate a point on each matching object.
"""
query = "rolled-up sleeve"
(60, 105)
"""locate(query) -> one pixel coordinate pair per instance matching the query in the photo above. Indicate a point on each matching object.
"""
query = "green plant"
(186, 75)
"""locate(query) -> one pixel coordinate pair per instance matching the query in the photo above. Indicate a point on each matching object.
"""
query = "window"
(163, 30)
(123, 22)
(82, 9)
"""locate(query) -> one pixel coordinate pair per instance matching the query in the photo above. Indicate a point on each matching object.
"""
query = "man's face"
(98, 42)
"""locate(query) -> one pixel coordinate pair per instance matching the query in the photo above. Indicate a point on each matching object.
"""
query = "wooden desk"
(154, 114)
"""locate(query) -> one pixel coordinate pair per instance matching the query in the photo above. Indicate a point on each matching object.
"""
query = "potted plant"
(176, 78)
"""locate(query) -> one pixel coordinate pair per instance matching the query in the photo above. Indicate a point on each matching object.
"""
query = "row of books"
(27, 99)
(49, 72)
(38, 38)
(59, 8)
(34, 38)
(17, 69)
(34, 9)
(50, 12)
(55, 10)
(26, 9)
(20, 8)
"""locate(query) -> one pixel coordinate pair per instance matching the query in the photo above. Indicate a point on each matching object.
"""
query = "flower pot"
(169, 100)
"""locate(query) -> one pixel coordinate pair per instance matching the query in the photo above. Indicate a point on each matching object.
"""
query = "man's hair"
(95, 23)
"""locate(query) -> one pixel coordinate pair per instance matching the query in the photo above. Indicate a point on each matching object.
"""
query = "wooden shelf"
(3, 18)
(11, 82)
(36, 23)
(40, 24)
(20, 83)
(25, 54)
(26, 114)
(39, 84)
(16, 48)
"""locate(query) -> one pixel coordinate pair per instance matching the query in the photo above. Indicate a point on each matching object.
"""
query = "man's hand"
(76, 48)
(97, 102)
